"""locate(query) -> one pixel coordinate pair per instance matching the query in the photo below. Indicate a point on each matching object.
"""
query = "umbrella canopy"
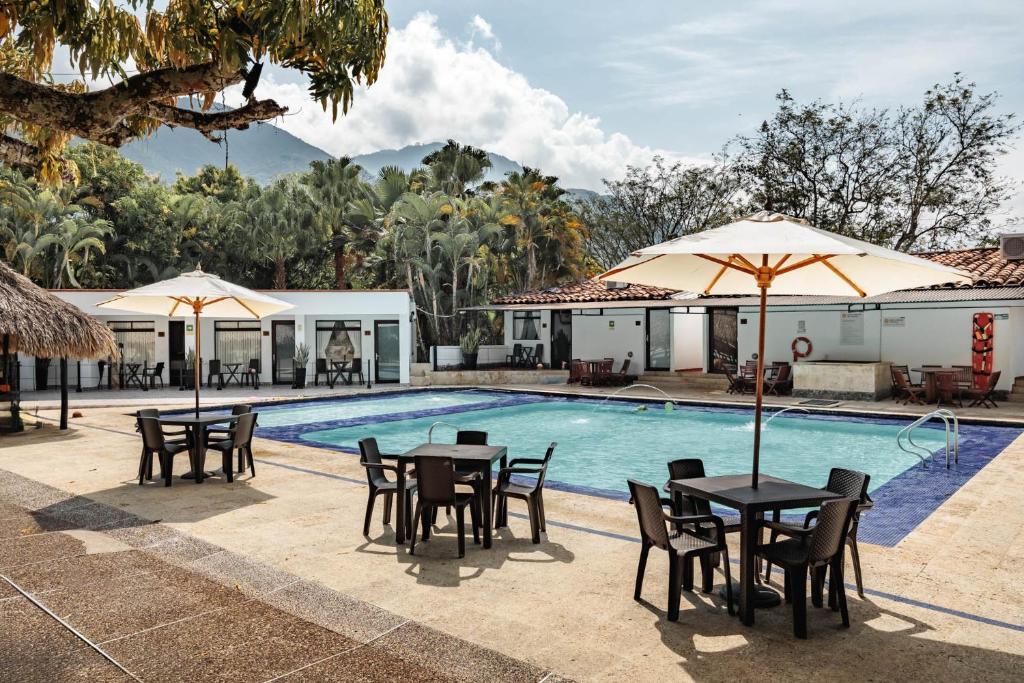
(772, 251)
(197, 294)
(37, 323)
(800, 260)
(181, 295)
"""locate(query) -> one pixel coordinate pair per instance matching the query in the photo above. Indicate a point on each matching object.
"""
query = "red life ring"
(801, 354)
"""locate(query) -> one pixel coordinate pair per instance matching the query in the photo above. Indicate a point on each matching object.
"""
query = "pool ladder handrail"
(430, 432)
(943, 414)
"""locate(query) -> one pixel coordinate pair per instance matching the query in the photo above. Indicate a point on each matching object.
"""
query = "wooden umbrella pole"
(195, 309)
(764, 280)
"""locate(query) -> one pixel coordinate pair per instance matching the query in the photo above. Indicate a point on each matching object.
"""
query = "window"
(338, 340)
(526, 325)
(136, 340)
(237, 341)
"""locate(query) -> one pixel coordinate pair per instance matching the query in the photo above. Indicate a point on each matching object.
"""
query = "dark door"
(283, 351)
(722, 350)
(659, 339)
(561, 339)
(175, 351)
(386, 351)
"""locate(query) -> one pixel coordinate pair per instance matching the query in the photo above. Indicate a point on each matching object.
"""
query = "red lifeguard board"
(982, 348)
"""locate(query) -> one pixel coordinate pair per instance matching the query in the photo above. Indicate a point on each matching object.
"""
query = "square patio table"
(734, 491)
(195, 428)
(931, 384)
(477, 458)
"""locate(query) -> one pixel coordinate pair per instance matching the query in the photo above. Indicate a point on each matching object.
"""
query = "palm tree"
(455, 167)
(284, 225)
(335, 185)
(72, 240)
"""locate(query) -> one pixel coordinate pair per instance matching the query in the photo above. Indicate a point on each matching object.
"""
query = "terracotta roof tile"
(586, 291)
(986, 264)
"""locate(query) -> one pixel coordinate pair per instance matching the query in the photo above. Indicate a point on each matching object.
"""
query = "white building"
(372, 326)
(670, 331)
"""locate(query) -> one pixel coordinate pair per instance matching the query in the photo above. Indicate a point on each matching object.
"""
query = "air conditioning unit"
(611, 284)
(1012, 247)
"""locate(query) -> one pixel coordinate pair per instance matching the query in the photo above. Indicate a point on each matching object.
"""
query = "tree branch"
(207, 123)
(100, 116)
(17, 153)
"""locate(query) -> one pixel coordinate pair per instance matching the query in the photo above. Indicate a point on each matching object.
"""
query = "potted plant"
(301, 357)
(470, 347)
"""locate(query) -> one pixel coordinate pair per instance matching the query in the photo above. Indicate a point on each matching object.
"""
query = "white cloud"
(432, 88)
(480, 26)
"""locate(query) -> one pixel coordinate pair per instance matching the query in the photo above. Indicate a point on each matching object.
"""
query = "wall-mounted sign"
(894, 321)
(851, 329)
(801, 327)
(1002, 316)
(188, 328)
(611, 324)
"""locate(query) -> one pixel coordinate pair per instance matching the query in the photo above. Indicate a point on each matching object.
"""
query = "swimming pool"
(603, 443)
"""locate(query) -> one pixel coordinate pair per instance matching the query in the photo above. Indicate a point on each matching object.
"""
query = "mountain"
(263, 151)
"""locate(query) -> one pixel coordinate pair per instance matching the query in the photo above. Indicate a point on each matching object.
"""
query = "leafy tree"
(919, 177)
(187, 48)
(658, 203)
(223, 184)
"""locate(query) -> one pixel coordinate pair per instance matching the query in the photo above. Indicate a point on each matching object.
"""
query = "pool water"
(601, 445)
(289, 414)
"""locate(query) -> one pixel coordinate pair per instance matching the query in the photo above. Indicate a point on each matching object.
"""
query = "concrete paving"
(944, 603)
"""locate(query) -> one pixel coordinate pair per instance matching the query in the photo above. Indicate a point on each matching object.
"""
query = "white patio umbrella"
(201, 295)
(772, 251)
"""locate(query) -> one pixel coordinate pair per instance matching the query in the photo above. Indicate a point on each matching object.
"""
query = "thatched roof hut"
(42, 325)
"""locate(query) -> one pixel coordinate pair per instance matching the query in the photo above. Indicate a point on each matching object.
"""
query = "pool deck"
(943, 603)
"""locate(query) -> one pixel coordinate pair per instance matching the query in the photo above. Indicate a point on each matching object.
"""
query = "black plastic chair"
(436, 479)
(239, 439)
(218, 433)
(823, 549)
(154, 443)
(355, 367)
(512, 359)
(251, 376)
(682, 544)
(214, 370)
(153, 374)
(321, 369)
(693, 468)
(146, 460)
(380, 485)
(532, 494)
(843, 482)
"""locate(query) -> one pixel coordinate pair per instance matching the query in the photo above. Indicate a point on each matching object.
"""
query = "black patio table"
(734, 491)
(195, 429)
(233, 374)
(340, 368)
(133, 375)
(478, 458)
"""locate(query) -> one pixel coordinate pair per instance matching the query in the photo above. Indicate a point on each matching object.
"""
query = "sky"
(583, 88)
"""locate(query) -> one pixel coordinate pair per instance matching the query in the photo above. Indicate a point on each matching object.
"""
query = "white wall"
(688, 340)
(544, 333)
(366, 306)
(937, 333)
(593, 338)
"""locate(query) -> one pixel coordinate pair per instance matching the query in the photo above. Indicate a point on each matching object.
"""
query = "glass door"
(659, 339)
(722, 349)
(283, 344)
(387, 354)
